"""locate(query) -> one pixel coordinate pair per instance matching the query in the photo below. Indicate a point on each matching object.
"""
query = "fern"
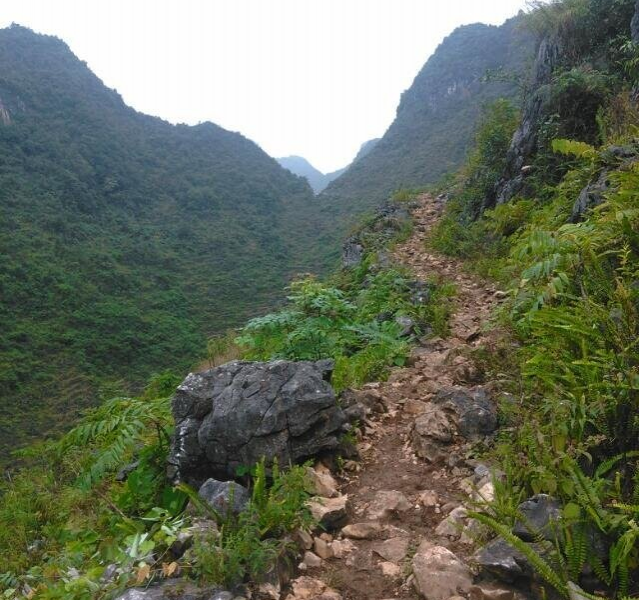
(540, 565)
(112, 431)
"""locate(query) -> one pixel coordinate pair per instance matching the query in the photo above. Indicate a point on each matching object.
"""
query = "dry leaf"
(169, 568)
(143, 573)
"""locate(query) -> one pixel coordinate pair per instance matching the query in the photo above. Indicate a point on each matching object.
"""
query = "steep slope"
(316, 179)
(436, 116)
(124, 240)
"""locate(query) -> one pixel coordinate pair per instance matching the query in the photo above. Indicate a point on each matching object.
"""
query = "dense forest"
(125, 241)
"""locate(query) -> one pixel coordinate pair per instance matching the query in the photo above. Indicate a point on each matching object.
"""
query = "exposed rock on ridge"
(235, 414)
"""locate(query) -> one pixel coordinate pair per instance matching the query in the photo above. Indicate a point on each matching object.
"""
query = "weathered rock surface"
(393, 550)
(169, 591)
(432, 429)
(386, 504)
(540, 516)
(307, 588)
(235, 414)
(330, 513)
(224, 496)
(475, 410)
(590, 197)
(439, 574)
(505, 562)
(362, 531)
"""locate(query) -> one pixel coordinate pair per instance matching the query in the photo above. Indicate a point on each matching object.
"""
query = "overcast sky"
(309, 77)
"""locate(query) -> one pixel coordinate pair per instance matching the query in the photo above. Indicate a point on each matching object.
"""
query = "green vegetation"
(66, 518)
(574, 307)
(124, 241)
(355, 318)
(66, 515)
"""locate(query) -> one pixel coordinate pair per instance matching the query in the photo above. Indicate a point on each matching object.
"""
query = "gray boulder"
(590, 197)
(503, 561)
(224, 496)
(352, 253)
(475, 410)
(235, 414)
(170, 591)
(540, 515)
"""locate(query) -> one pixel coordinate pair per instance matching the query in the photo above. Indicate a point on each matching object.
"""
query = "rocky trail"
(396, 525)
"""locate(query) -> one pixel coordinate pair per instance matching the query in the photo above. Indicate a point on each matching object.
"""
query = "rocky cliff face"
(524, 142)
(436, 117)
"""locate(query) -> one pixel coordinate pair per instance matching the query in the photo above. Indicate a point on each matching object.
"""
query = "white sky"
(309, 77)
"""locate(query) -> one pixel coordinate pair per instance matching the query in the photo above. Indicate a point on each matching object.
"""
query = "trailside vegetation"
(91, 514)
(573, 277)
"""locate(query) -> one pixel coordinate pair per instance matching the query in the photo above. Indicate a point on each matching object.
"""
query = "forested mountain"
(300, 166)
(316, 179)
(124, 240)
(437, 115)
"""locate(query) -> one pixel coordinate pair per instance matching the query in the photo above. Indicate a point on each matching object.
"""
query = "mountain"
(301, 167)
(316, 179)
(124, 240)
(437, 115)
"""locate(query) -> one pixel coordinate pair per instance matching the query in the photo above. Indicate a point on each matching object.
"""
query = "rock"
(393, 550)
(415, 407)
(590, 196)
(363, 402)
(322, 548)
(124, 472)
(307, 588)
(352, 253)
(439, 574)
(429, 498)
(303, 539)
(390, 570)
(341, 548)
(540, 515)
(431, 430)
(330, 513)
(386, 504)
(267, 591)
(634, 24)
(321, 482)
(487, 591)
(486, 493)
(225, 497)
(407, 325)
(311, 560)
(362, 531)
(453, 524)
(223, 596)
(475, 410)
(503, 561)
(237, 413)
(169, 591)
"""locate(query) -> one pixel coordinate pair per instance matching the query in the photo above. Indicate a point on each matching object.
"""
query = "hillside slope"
(436, 116)
(124, 240)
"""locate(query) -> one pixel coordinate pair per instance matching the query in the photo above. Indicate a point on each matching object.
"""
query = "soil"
(387, 459)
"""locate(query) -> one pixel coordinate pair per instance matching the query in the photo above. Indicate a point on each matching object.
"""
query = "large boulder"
(236, 414)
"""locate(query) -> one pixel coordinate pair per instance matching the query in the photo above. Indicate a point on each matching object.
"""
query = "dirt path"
(379, 568)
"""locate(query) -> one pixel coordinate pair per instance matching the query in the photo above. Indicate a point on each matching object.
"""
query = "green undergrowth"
(356, 319)
(66, 515)
(571, 429)
(66, 518)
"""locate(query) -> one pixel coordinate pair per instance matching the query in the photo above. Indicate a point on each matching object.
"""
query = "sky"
(314, 78)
